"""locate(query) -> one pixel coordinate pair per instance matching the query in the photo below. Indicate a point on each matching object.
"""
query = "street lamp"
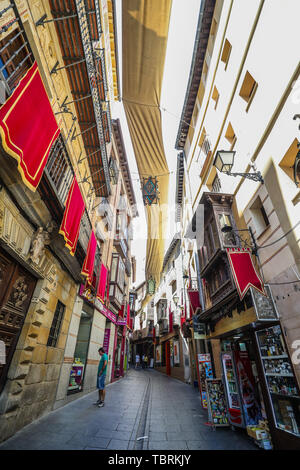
(175, 300)
(224, 163)
(228, 229)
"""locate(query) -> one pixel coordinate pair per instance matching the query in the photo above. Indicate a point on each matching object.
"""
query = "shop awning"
(145, 31)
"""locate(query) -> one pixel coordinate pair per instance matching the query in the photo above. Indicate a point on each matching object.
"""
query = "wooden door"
(16, 289)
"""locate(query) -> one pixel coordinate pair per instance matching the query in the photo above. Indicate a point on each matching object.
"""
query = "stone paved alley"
(144, 403)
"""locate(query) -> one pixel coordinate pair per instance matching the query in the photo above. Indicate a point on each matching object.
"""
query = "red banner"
(70, 225)
(194, 300)
(243, 271)
(102, 283)
(28, 127)
(88, 265)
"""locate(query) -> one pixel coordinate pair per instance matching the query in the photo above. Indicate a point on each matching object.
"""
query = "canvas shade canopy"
(145, 31)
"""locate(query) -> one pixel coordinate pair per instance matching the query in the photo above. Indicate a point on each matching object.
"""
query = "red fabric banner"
(243, 271)
(128, 315)
(194, 300)
(102, 283)
(183, 316)
(28, 127)
(70, 225)
(170, 320)
(88, 265)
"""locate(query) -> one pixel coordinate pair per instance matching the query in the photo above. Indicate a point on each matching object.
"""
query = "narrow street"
(144, 403)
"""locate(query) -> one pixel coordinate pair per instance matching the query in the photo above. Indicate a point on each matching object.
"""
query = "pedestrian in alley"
(137, 361)
(146, 361)
(143, 361)
(101, 377)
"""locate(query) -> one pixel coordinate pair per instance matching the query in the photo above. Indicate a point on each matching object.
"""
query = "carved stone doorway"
(16, 289)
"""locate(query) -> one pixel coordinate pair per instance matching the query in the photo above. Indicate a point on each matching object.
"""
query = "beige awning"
(145, 31)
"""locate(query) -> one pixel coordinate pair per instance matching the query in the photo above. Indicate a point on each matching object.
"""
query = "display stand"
(217, 410)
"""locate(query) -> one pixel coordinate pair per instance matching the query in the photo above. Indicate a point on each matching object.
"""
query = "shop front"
(81, 350)
(260, 386)
(169, 356)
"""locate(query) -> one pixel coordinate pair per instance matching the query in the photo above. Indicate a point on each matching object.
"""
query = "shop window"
(215, 96)
(248, 89)
(259, 216)
(230, 136)
(56, 324)
(81, 353)
(226, 53)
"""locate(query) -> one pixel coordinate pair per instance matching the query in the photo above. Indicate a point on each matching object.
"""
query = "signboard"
(264, 306)
(199, 329)
(176, 352)
(205, 372)
(106, 339)
(104, 310)
(158, 354)
(216, 403)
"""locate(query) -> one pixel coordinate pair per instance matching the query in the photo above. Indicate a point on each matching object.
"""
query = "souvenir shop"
(257, 388)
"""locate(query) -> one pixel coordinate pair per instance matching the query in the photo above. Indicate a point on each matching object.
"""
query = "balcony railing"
(104, 210)
(58, 170)
(128, 266)
(16, 56)
(193, 284)
(164, 327)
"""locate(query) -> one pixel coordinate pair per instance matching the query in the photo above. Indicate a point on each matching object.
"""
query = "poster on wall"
(176, 352)
(158, 354)
(216, 400)
(205, 372)
(250, 404)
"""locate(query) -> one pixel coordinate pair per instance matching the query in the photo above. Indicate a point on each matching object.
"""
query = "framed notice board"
(216, 400)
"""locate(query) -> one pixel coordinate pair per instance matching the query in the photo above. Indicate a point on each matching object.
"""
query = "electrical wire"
(275, 241)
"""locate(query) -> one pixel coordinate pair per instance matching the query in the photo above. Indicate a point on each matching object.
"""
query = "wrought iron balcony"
(164, 327)
(16, 56)
(128, 266)
(58, 170)
(161, 310)
(193, 284)
(104, 210)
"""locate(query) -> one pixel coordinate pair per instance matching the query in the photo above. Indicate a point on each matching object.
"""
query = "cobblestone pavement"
(144, 403)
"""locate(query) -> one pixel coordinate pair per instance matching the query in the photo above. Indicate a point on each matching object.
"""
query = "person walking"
(143, 361)
(137, 361)
(101, 376)
(146, 361)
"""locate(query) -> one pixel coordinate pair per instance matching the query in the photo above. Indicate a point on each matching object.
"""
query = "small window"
(216, 185)
(226, 52)
(230, 136)
(215, 96)
(259, 216)
(248, 89)
(56, 324)
(174, 287)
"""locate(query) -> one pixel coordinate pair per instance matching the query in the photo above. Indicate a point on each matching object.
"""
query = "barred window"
(56, 324)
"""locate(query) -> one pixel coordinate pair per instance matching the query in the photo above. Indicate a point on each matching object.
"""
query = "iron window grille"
(216, 185)
(56, 324)
(16, 56)
(58, 170)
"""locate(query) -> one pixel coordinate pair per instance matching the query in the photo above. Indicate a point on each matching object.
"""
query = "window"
(15, 58)
(290, 163)
(259, 216)
(215, 96)
(230, 135)
(226, 53)
(216, 185)
(248, 89)
(174, 287)
(56, 324)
